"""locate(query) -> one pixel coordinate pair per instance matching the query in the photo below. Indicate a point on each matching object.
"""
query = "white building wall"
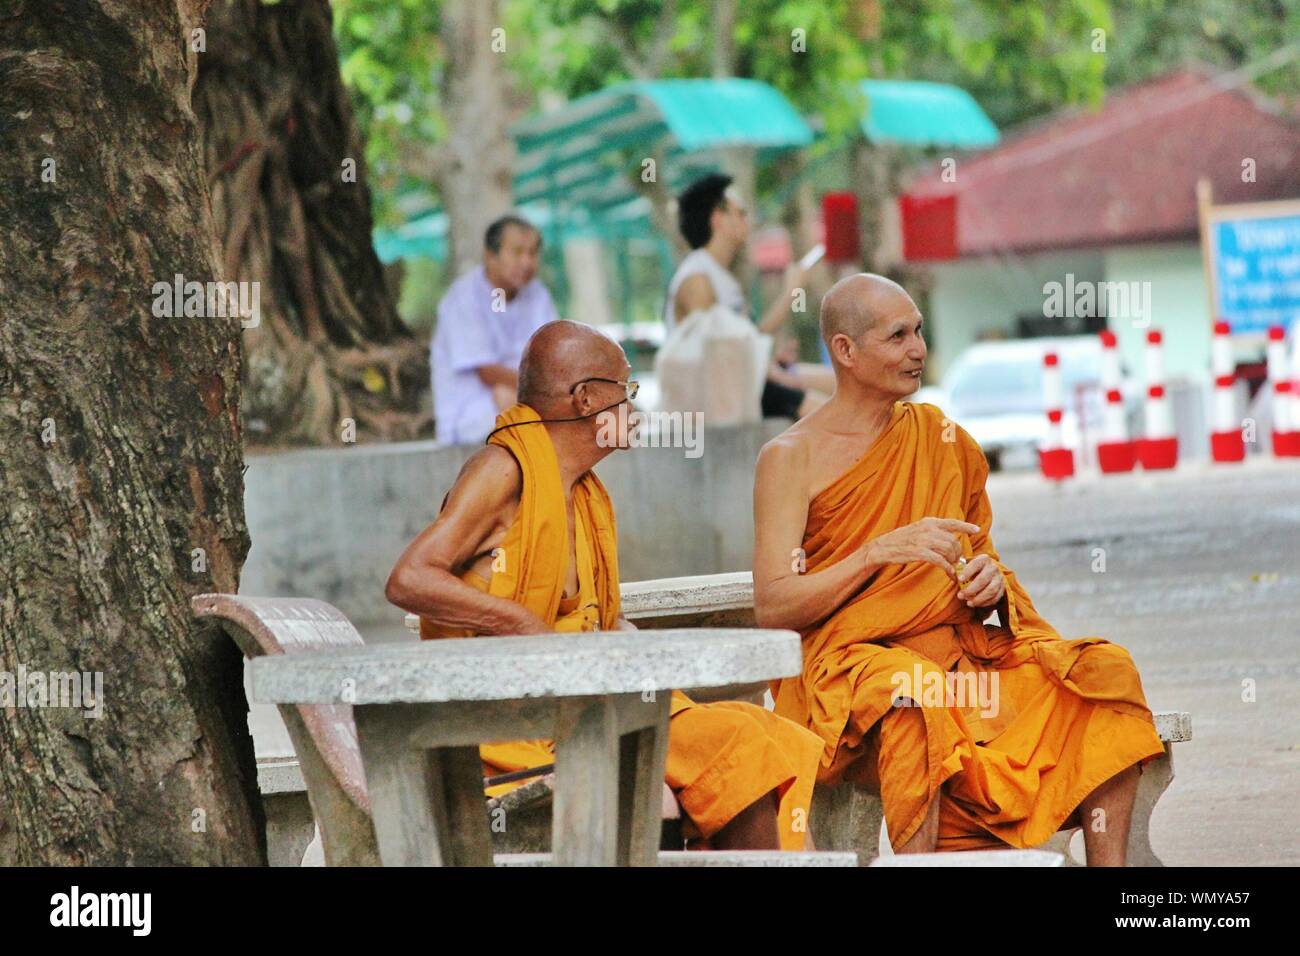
(974, 297)
(1179, 307)
(978, 296)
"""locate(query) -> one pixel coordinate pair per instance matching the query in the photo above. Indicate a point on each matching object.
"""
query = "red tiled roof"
(1124, 173)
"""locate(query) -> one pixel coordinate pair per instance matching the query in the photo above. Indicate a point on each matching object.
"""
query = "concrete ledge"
(331, 522)
(276, 775)
(701, 594)
(1173, 726)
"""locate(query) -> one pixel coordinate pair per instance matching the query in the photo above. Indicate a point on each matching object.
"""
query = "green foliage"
(390, 56)
(1018, 59)
(1152, 37)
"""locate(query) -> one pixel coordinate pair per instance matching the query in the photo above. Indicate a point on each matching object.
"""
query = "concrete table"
(422, 710)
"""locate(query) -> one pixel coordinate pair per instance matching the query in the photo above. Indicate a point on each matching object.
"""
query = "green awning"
(914, 113)
(585, 152)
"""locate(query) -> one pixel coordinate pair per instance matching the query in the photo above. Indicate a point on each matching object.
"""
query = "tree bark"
(724, 38)
(291, 206)
(121, 469)
(474, 176)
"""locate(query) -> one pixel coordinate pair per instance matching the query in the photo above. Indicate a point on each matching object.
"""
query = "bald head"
(560, 354)
(856, 303)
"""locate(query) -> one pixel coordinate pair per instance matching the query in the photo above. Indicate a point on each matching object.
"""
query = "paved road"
(1202, 585)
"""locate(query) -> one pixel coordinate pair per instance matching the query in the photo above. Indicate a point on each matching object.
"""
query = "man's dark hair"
(695, 207)
(492, 238)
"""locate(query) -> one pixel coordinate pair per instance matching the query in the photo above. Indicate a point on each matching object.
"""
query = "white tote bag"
(714, 361)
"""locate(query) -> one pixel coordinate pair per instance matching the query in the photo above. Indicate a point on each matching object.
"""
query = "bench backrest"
(291, 624)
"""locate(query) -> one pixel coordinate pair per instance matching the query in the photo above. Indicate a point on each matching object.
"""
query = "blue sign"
(1257, 271)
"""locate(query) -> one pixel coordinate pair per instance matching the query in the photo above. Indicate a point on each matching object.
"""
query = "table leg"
(465, 830)
(427, 804)
(584, 828)
(640, 785)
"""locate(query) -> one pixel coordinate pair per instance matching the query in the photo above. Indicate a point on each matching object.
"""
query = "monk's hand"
(933, 540)
(529, 623)
(981, 582)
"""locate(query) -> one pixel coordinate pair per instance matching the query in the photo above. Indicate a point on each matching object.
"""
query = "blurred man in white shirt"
(484, 322)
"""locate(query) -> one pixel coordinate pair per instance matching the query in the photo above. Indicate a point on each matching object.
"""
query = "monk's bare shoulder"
(784, 460)
(489, 481)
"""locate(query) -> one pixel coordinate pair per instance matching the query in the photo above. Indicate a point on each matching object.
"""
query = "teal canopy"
(914, 113)
(575, 166)
(588, 151)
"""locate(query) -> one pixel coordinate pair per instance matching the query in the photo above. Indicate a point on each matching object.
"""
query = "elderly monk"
(525, 543)
(872, 525)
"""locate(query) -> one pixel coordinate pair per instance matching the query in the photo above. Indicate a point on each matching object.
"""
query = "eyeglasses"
(630, 387)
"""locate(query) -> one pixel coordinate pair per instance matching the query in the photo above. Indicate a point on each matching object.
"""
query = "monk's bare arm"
(426, 581)
(783, 596)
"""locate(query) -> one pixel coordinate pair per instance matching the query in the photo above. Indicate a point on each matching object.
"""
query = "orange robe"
(1057, 718)
(721, 757)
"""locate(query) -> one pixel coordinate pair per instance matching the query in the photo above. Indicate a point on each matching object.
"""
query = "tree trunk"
(724, 38)
(474, 172)
(121, 469)
(291, 206)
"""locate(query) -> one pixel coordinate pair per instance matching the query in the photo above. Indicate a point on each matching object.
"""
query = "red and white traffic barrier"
(1159, 445)
(1054, 459)
(1226, 443)
(1286, 396)
(1115, 450)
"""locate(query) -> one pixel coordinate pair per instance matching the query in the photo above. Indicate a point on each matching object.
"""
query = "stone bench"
(850, 817)
(325, 739)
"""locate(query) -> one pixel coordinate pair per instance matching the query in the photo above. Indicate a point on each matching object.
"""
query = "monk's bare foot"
(926, 839)
(1105, 815)
(753, 828)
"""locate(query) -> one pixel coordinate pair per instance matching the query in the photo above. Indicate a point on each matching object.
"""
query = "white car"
(994, 390)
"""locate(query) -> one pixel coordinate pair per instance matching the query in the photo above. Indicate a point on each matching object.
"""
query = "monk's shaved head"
(562, 353)
(857, 302)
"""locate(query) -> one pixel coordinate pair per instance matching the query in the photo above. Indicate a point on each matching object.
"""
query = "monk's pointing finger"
(958, 527)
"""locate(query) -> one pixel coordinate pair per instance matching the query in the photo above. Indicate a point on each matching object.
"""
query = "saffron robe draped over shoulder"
(1056, 718)
(721, 757)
